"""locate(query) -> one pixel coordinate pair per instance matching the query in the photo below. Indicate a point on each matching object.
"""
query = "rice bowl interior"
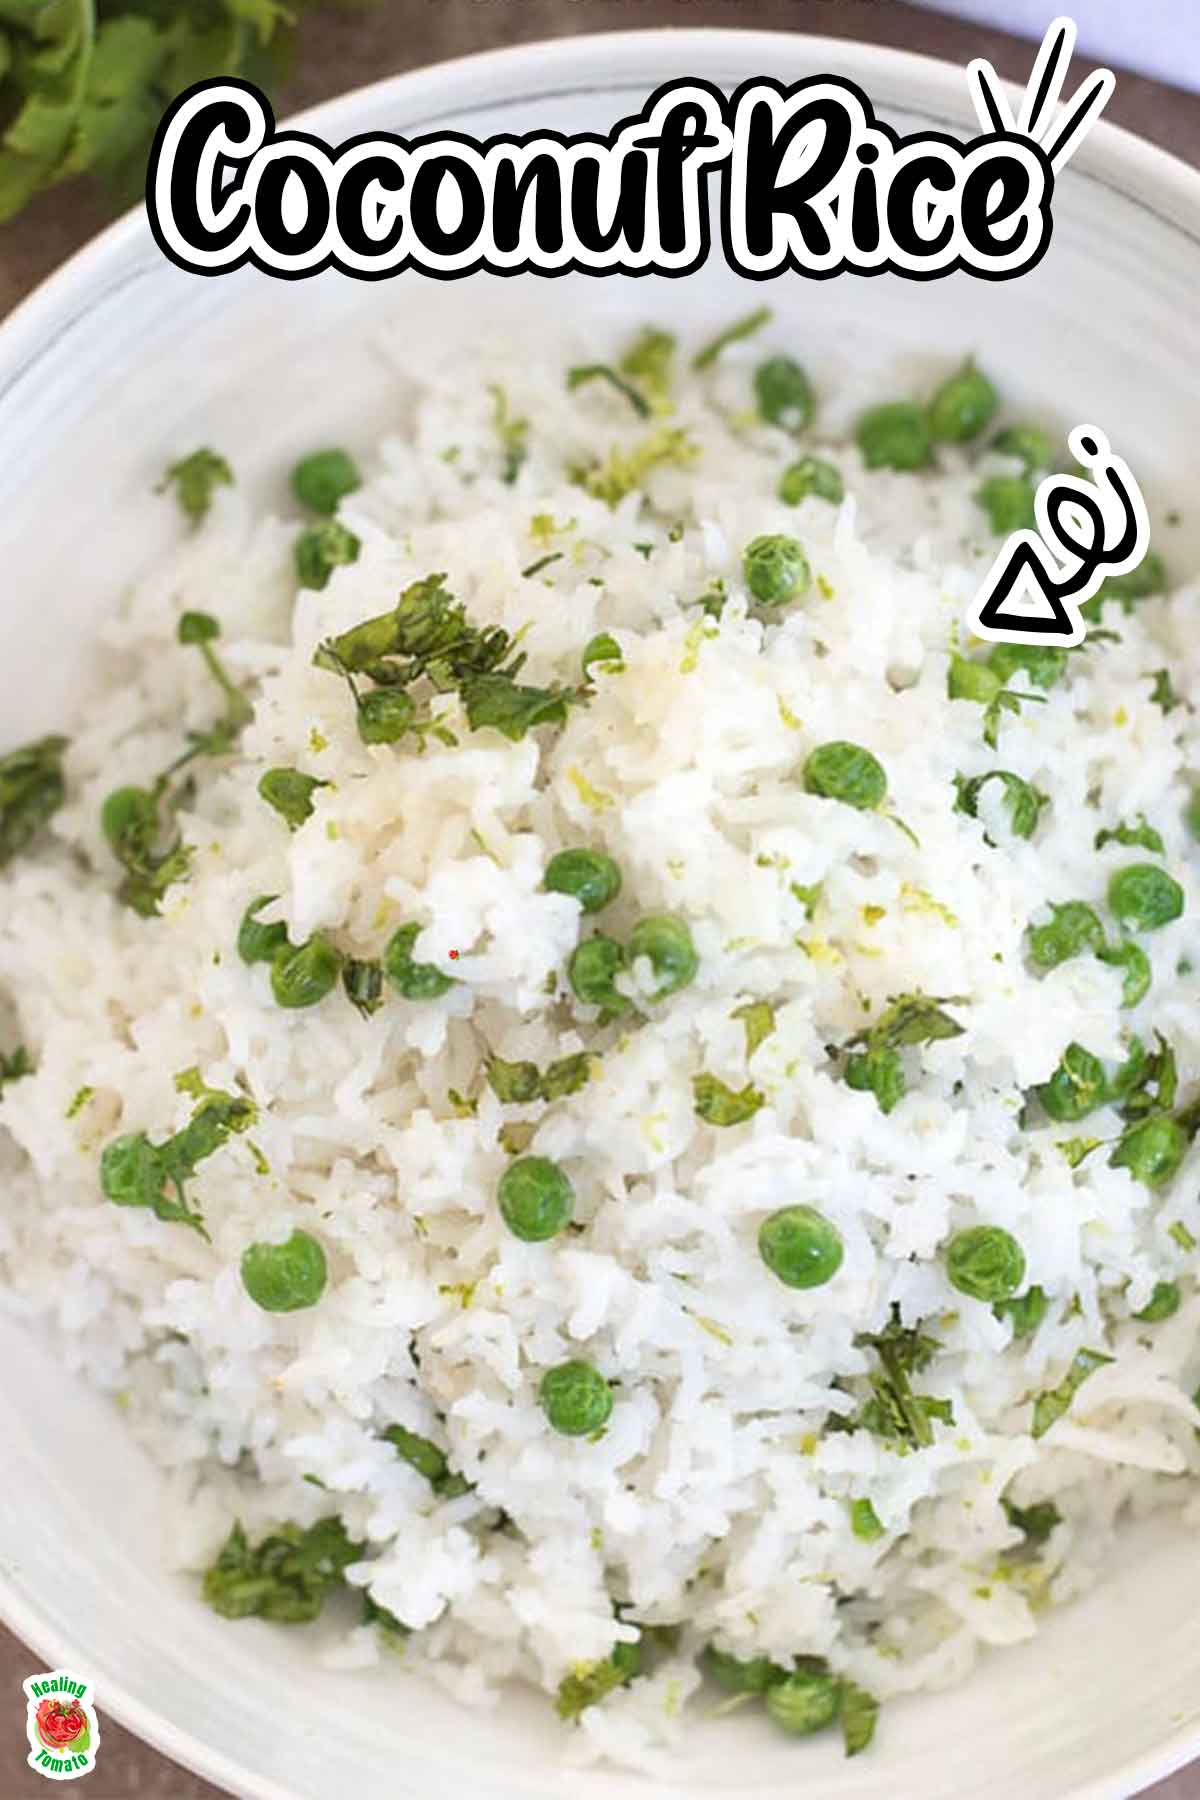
(118, 368)
(880, 1019)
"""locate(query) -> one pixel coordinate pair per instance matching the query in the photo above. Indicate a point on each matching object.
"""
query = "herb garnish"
(520, 1083)
(286, 1577)
(623, 471)
(907, 1019)
(1023, 801)
(1049, 1407)
(719, 1105)
(31, 789)
(1140, 835)
(589, 1682)
(132, 817)
(513, 434)
(758, 1022)
(1036, 1522)
(15, 1066)
(894, 1412)
(291, 794)
(585, 372)
(427, 637)
(648, 361)
(135, 1172)
(967, 680)
(195, 478)
(741, 328)
(423, 1455)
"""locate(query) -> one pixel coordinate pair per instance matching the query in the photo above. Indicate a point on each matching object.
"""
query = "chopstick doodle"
(1086, 531)
(807, 181)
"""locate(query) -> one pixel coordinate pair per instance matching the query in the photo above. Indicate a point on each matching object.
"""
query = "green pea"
(592, 972)
(783, 393)
(320, 550)
(985, 1263)
(963, 405)
(1136, 964)
(304, 975)
(848, 773)
(1041, 666)
(753, 1676)
(536, 1199)
(811, 475)
(1028, 442)
(1162, 1304)
(132, 1171)
(894, 436)
(285, 1277)
(805, 1702)
(129, 817)
(384, 715)
(1151, 1150)
(1144, 897)
(967, 680)
(1077, 1086)
(667, 942)
(260, 943)
(1146, 578)
(575, 1398)
(1026, 1311)
(1008, 502)
(291, 794)
(586, 875)
(800, 1246)
(416, 981)
(775, 569)
(1073, 928)
(319, 481)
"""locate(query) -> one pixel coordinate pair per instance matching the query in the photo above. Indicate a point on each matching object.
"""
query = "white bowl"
(120, 362)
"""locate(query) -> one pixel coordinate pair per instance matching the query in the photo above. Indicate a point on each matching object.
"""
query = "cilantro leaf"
(859, 1712)
(1023, 801)
(758, 1021)
(894, 1412)
(31, 789)
(585, 372)
(1049, 1406)
(1140, 835)
(1037, 1521)
(719, 1105)
(286, 1577)
(589, 1682)
(15, 1066)
(519, 1083)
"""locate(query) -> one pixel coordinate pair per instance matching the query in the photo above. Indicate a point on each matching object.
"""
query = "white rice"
(715, 1499)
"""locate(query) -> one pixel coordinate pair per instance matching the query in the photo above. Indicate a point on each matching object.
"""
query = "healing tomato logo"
(62, 1725)
(59, 1723)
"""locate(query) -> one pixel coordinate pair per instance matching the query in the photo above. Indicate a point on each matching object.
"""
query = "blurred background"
(79, 100)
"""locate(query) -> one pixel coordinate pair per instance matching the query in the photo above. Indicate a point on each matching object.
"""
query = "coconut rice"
(721, 1496)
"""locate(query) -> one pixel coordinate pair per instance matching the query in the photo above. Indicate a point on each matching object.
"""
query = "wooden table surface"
(344, 51)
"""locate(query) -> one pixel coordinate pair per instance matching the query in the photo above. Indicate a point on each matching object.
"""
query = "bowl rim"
(1156, 179)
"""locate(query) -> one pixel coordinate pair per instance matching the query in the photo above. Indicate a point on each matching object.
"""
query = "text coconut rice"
(751, 1424)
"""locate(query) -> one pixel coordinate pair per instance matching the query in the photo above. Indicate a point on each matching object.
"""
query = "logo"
(62, 1725)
